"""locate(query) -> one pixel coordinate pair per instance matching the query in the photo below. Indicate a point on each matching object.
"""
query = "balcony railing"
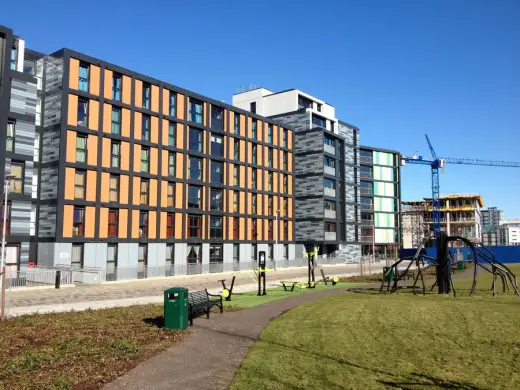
(330, 236)
(367, 239)
(331, 214)
(366, 191)
(365, 206)
(329, 192)
(329, 149)
(366, 222)
(367, 160)
(366, 175)
(329, 170)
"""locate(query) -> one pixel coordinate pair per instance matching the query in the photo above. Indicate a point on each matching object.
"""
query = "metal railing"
(365, 206)
(366, 191)
(329, 192)
(366, 175)
(329, 170)
(36, 277)
(330, 236)
(367, 160)
(331, 214)
(329, 149)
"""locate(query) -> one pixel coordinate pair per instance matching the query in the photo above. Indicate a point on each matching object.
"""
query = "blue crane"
(440, 162)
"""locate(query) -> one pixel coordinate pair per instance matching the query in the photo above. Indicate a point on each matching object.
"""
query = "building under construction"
(460, 216)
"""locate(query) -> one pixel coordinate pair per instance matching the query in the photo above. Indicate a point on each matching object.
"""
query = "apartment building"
(326, 152)
(492, 234)
(380, 201)
(136, 173)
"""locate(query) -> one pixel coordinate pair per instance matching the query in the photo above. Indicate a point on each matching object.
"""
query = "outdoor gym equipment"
(261, 273)
(226, 293)
(327, 279)
(311, 253)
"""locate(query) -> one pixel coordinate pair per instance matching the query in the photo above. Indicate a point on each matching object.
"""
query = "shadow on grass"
(426, 380)
(158, 321)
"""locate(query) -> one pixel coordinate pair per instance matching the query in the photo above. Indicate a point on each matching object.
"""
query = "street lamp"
(2, 261)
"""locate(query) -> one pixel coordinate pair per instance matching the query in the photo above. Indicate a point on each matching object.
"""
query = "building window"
(83, 112)
(81, 149)
(116, 87)
(270, 205)
(286, 184)
(318, 121)
(143, 224)
(79, 185)
(236, 127)
(236, 228)
(142, 261)
(285, 138)
(235, 201)
(195, 169)
(194, 226)
(285, 251)
(253, 153)
(83, 77)
(115, 154)
(145, 185)
(254, 232)
(78, 227)
(269, 157)
(303, 102)
(170, 225)
(216, 199)
(145, 160)
(216, 172)
(171, 163)
(194, 254)
(252, 107)
(7, 220)
(286, 230)
(286, 207)
(195, 144)
(14, 58)
(269, 181)
(217, 118)
(235, 175)
(194, 197)
(76, 258)
(253, 178)
(216, 145)
(171, 194)
(236, 149)
(319, 107)
(112, 223)
(270, 133)
(172, 130)
(170, 252)
(114, 188)
(9, 142)
(196, 111)
(254, 252)
(146, 95)
(253, 128)
(116, 120)
(145, 129)
(285, 161)
(215, 253)
(236, 253)
(172, 103)
(270, 249)
(16, 182)
(253, 204)
(111, 261)
(215, 228)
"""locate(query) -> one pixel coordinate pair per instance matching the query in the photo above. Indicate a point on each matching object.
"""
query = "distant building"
(492, 234)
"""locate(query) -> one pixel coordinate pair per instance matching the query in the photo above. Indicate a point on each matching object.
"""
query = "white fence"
(36, 277)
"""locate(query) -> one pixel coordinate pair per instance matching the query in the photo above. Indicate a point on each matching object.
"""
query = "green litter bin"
(388, 275)
(176, 308)
(460, 266)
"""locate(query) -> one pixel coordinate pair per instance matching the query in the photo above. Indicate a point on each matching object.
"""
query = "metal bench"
(286, 284)
(201, 302)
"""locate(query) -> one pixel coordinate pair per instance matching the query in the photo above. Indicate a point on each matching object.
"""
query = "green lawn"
(373, 341)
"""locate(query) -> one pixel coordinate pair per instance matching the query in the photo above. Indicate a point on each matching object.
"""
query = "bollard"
(58, 279)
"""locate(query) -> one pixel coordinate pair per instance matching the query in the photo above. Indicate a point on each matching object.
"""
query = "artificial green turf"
(373, 341)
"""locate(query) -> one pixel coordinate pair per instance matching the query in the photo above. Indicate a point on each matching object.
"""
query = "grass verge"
(373, 341)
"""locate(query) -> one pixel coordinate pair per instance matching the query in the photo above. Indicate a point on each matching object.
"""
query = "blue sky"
(396, 69)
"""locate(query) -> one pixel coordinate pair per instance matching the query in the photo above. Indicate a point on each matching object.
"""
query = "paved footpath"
(145, 291)
(213, 351)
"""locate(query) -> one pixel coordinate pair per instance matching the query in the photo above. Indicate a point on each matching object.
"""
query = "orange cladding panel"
(230, 201)
(231, 171)
(93, 114)
(164, 193)
(242, 177)
(231, 154)
(249, 206)
(275, 158)
(90, 222)
(135, 224)
(73, 73)
(127, 90)
(153, 193)
(138, 125)
(72, 114)
(242, 202)
(248, 231)
(94, 82)
(242, 126)
(289, 162)
(165, 126)
(154, 161)
(290, 184)
(123, 223)
(179, 165)
(242, 228)
(91, 193)
(164, 163)
(70, 174)
(243, 151)
(290, 230)
(125, 156)
(178, 196)
(204, 114)
(125, 123)
(138, 94)
(154, 135)
(68, 218)
(105, 187)
(204, 225)
(107, 118)
(137, 158)
(259, 229)
(266, 205)
(290, 207)
(178, 226)
(231, 126)
(152, 224)
(259, 179)
(124, 189)
(260, 130)
(289, 139)
(229, 225)
(92, 149)
(181, 101)
(180, 136)
(276, 134)
(275, 182)
(155, 98)
(105, 161)
(107, 88)
(136, 191)
(71, 146)
(165, 102)
(103, 222)
(162, 225)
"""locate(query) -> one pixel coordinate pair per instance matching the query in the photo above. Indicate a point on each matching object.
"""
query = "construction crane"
(440, 162)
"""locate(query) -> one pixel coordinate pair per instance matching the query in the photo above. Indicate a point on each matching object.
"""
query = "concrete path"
(145, 291)
(213, 351)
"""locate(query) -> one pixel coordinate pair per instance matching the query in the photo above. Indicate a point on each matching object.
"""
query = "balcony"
(366, 222)
(329, 149)
(331, 214)
(365, 206)
(329, 192)
(366, 191)
(330, 236)
(329, 170)
(366, 175)
(366, 160)
(367, 239)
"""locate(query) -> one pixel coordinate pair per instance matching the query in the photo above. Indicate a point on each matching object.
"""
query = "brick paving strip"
(213, 351)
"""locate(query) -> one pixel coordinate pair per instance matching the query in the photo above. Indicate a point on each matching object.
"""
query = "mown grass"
(376, 341)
